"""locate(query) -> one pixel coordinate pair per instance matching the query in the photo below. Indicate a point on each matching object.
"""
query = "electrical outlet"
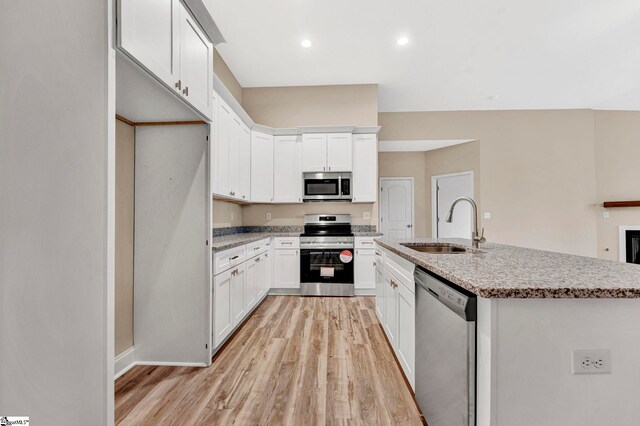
(268, 216)
(605, 215)
(487, 215)
(233, 216)
(595, 361)
(366, 215)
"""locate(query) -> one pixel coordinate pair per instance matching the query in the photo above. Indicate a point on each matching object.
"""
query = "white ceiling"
(532, 54)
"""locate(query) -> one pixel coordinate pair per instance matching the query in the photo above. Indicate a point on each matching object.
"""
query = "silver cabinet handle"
(234, 257)
(179, 85)
(186, 91)
(257, 259)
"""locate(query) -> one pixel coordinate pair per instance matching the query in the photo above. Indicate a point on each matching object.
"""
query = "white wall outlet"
(366, 215)
(487, 215)
(591, 361)
(233, 215)
(268, 216)
(605, 215)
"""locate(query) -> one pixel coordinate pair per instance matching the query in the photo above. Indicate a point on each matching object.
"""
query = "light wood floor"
(297, 361)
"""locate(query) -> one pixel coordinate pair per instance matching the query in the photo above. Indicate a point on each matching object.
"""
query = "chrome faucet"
(477, 238)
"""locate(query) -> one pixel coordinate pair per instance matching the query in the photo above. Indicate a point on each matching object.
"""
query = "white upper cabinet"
(314, 152)
(287, 169)
(339, 152)
(196, 69)
(148, 31)
(322, 152)
(221, 145)
(162, 36)
(261, 167)
(365, 168)
(244, 190)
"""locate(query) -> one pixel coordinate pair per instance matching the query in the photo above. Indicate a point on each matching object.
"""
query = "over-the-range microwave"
(327, 187)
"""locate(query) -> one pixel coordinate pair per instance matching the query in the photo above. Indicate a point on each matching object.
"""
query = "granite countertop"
(501, 271)
(226, 242)
(367, 234)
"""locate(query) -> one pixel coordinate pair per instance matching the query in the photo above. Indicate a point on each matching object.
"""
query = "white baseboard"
(124, 362)
(173, 364)
(365, 291)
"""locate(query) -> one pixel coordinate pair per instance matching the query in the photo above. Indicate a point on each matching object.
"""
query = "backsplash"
(230, 230)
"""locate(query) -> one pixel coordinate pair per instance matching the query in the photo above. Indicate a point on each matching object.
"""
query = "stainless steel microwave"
(327, 187)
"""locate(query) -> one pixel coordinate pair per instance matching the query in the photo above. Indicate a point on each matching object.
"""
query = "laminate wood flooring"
(296, 361)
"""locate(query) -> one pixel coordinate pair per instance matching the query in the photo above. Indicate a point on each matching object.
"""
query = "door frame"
(413, 202)
(434, 196)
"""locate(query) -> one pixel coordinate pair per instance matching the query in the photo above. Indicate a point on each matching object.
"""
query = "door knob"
(409, 226)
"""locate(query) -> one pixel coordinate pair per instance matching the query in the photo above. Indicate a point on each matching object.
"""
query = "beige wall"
(408, 164)
(617, 174)
(125, 162)
(453, 159)
(313, 105)
(226, 214)
(537, 171)
(226, 76)
(305, 106)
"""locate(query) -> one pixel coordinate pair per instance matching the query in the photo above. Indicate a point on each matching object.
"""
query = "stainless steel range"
(326, 256)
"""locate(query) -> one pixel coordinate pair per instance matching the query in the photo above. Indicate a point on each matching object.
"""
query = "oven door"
(322, 186)
(326, 266)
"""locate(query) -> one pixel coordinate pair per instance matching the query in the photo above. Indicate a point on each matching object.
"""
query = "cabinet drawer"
(258, 247)
(400, 273)
(228, 259)
(365, 243)
(286, 243)
(379, 255)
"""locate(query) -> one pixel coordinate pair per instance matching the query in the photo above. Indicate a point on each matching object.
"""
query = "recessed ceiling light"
(403, 41)
(305, 43)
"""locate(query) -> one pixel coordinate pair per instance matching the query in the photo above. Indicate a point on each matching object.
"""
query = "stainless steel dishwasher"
(445, 351)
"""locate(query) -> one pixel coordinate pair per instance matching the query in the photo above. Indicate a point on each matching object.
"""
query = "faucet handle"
(481, 239)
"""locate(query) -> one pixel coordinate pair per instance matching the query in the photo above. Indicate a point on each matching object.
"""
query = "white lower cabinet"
(365, 273)
(286, 268)
(391, 310)
(238, 286)
(238, 294)
(406, 331)
(380, 285)
(222, 320)
(396, 309)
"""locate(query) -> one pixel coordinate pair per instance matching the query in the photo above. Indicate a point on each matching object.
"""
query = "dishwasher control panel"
(460, 303)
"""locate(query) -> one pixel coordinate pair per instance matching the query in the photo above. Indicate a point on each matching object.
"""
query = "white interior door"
(447, 189)
(396, 208)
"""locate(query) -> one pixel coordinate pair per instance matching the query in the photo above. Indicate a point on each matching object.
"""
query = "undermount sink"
(437, 249)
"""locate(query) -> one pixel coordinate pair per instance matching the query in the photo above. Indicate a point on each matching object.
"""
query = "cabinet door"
(252, 277)
(339, 152)
(287, 169)
(286, 269)
(245, 164)
(148, 32)
(365, 271)
(196, 64)
(222, 320)
(407, 332)
(267, 273)
(261, 168)
(235, 141)
(380, 287)
(222, 124)
(391, 310)
(365, 168)
(238, 295)
(314, 152)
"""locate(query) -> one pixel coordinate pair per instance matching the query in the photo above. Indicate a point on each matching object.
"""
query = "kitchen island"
(534, 308)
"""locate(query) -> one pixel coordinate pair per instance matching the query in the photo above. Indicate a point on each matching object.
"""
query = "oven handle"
(326, 247)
